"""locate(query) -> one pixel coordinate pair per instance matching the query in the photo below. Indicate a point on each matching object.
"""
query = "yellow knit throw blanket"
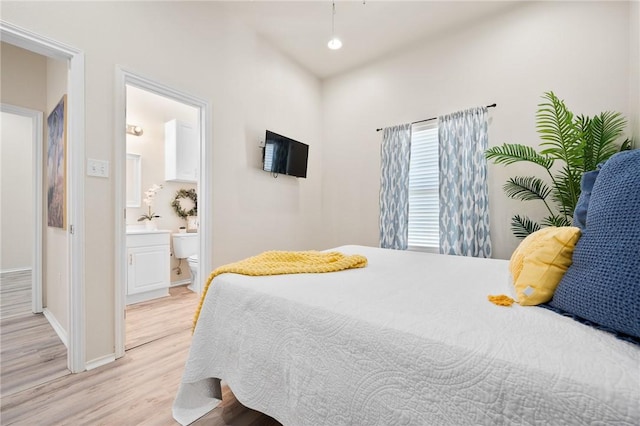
(285, 262)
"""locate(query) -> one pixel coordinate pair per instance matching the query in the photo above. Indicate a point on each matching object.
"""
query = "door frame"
(124, 78)
(36, 163)
(50, 48)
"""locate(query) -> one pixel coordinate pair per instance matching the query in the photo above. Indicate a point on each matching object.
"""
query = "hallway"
(32, 353)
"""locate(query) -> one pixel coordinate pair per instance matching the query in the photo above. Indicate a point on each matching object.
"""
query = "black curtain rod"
(434, 118)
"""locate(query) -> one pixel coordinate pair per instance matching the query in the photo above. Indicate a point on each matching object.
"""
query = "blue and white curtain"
(464, 199)
(394, 187)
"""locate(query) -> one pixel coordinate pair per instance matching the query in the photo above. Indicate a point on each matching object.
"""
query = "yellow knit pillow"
(540, 261)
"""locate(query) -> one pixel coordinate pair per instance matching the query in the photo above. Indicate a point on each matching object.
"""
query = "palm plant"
(570, 146)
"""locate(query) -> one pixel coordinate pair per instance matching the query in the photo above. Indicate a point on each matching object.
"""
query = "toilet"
(185, 246)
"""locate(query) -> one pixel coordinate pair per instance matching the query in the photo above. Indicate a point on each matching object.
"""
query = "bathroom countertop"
(147, 231)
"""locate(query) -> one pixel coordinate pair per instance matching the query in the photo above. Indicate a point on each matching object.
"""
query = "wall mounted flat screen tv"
(283, 155)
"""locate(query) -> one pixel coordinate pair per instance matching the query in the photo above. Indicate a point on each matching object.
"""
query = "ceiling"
(369, 30)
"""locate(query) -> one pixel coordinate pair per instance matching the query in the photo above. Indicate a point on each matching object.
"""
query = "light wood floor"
(31, 352)
(15, 293)
(155, 319)
(137, 389)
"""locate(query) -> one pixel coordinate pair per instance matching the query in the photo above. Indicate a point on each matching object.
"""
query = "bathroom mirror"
(134, 185)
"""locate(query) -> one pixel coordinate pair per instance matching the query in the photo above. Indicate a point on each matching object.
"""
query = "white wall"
(23, 81)
(634, 71)
(16, 178)
(56, 259)
(578, 50)
(23, 78)
(197, 48)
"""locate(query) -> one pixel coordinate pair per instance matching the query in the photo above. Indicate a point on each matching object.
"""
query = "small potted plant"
(149, 195)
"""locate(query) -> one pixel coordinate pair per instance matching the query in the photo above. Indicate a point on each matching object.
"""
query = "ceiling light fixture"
(134, 130)
(334, 43)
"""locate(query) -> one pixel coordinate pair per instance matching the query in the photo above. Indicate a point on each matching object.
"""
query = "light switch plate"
(98, 168)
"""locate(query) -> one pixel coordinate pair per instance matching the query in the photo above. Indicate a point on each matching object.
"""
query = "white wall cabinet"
(181, 152)
(148, 272)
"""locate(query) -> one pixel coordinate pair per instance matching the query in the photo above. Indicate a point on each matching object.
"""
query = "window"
(423, 188)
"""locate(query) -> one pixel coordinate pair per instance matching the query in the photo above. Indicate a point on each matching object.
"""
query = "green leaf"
(526, 188)
(554, 123)
(523, 226)
(513, 153)
(606, 128)
(584, 126)
(556, 220)
(566, 190)
(571, 145)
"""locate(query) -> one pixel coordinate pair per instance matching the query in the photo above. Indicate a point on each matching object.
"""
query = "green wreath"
(185, 193)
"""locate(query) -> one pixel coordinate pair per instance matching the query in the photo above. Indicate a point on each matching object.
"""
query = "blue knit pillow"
(586, 186)
(603, 283)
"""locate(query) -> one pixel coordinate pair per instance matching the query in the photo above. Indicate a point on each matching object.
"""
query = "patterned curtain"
(394, 187)
(464, 200)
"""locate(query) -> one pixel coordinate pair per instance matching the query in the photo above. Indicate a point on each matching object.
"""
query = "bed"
(409, 339)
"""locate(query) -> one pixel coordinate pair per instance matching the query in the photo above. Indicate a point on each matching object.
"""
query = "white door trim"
(125, 77)
(36, 161)
(45, 46)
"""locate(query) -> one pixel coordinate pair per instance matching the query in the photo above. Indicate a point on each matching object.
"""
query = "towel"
(285, 262)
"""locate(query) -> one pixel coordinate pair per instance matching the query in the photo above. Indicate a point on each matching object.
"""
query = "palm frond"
(605, 128)
(577, 144)
(526, 188)
(556, 220)
(513, 153)
(555, 125)
(521, 226)
(583, 126)
(566, 190)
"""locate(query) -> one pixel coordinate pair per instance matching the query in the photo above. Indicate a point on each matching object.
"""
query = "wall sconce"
(134, 130)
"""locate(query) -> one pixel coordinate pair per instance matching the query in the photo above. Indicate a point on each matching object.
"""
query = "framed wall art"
(57, 166)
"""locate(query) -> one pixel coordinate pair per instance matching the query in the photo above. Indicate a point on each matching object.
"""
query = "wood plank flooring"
(158, 318)
(31, 352)
(15, 293)
(137, 389)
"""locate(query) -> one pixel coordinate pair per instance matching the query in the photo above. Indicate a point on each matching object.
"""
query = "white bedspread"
(410, 339)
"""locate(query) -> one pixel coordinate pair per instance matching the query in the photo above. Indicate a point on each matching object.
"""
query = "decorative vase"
(150, 225)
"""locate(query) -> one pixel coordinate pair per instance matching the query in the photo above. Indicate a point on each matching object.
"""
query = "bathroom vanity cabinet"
(148, 265)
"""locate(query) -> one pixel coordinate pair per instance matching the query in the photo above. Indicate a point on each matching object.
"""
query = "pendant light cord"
(333, 21)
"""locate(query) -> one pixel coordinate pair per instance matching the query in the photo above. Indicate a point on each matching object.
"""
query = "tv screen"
(283, 155)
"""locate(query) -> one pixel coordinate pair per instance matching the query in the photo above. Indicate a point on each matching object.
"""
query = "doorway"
(32, 350)
(74, 325)
(21, 252)
(155, 124)
(163, 157)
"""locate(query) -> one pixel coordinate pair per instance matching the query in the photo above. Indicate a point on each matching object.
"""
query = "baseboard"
(181, 282)
(14, 271)
(99, 362)
(60, 331)
(147, 295)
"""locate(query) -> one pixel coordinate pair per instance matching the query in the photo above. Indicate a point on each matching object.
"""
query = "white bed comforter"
(409, 340)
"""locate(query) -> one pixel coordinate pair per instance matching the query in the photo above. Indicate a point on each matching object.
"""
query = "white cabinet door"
(182, 151)
(148, 268)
